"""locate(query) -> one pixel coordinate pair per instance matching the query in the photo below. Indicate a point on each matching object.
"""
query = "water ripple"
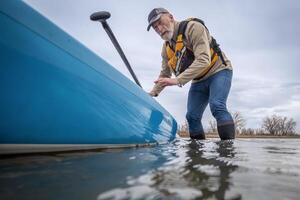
(183, 169)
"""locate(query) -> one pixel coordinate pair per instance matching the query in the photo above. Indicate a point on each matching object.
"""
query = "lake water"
(183, 169)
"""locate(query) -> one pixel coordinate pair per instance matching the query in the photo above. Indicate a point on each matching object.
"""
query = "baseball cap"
(154, 15)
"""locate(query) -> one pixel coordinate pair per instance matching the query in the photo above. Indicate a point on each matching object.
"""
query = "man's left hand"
(167, 81)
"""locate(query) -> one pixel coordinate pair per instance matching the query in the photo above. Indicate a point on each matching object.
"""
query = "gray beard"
(167, 36)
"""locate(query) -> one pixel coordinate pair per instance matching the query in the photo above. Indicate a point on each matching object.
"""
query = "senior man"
(192, 54)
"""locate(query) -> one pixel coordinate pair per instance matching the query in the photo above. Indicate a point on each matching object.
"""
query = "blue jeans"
(213, 90)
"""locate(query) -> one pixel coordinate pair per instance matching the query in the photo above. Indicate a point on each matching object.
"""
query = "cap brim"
(153, 20)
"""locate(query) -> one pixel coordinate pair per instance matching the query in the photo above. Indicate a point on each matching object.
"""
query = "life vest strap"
(175, 56)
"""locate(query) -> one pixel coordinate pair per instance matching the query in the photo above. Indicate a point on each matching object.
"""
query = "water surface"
(183, 169)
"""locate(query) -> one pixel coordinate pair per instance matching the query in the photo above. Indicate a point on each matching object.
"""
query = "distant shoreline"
(185, 135)
(260, 136)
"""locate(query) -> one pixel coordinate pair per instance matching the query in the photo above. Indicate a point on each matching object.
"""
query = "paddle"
(101, 17)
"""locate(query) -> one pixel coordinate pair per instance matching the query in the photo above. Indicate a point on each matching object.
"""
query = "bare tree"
(212, 126)
(239, 122)
(184, 127)
(277, 125)
(281, 125)
(270, 124)
(259, 131)
(289, 127)
(247, 131)
(184, 130)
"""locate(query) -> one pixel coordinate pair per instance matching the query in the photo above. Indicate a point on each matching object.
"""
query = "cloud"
(256, 99)
(259, 37)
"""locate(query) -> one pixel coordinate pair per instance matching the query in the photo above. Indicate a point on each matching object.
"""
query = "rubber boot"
(197, 136)
(226, 131)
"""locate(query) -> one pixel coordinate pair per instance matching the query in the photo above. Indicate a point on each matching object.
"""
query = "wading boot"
(197, 136)
(226, 131)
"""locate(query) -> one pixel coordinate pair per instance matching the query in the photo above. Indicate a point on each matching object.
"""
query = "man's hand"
(152, 94)
(167, 81)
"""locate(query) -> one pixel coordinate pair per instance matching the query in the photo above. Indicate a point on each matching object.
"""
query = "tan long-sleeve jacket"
(197, 39)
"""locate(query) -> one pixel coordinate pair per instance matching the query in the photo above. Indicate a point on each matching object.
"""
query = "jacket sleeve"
(164, 73)
(197, 37)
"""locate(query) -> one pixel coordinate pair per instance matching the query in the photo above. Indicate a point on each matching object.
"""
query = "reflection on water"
(209, 171)
(184, 169)
(190, 171)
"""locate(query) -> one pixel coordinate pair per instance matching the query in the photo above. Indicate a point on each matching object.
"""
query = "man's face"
(164, 26)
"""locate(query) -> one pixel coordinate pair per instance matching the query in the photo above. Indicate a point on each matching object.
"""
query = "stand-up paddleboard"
(57, 95)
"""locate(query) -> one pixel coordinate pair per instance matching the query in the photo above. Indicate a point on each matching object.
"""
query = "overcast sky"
(261, 38)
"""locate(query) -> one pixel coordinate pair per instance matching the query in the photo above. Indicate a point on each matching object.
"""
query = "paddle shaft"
(99, 17)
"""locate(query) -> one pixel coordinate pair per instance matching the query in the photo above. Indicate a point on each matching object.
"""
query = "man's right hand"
(152, 94)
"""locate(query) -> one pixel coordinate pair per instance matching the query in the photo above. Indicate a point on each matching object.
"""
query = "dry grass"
(185, 134)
